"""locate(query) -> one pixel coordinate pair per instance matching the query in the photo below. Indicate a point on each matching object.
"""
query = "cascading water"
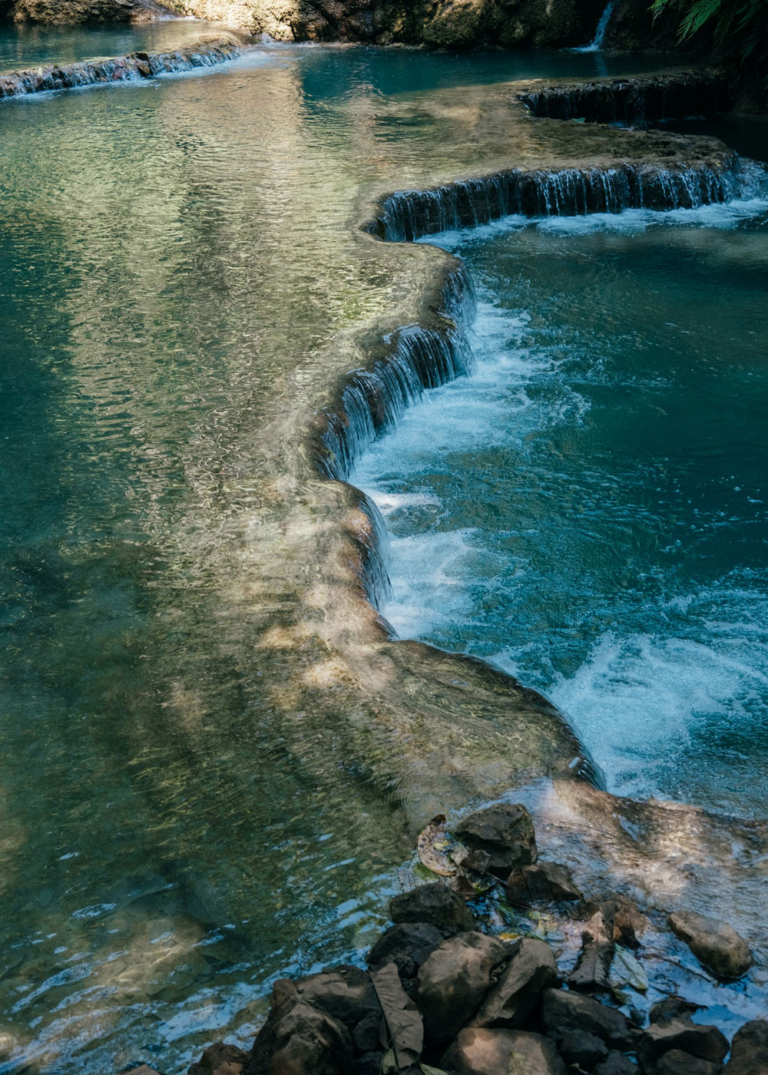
(596, 43)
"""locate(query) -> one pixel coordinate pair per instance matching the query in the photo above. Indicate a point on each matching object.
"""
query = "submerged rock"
(518, 991)
(477, 1051)
(435, 904)
(749, 1050)
(670, 1008)
(542, 882)
(504, 833)
(454, 980)
(716, 945)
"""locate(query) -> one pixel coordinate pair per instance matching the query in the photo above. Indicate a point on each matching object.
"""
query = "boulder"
(435, 904)
(676, 1062)
(407, 946)
(453, 981)
(220, 1059)
(716, 945)
(595, 958)
(298, 1039)
(505, 833)
(563, 1012)
(749, 1050)
(680, 1033)
(511, 1001)
(346, 993)
(670, 1007)
(583, 1049)
(616, 1064)
(478, 1051)
(542, 882)
(368, 1064)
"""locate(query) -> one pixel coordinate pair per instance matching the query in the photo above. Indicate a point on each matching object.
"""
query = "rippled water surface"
(590, 509)
(174, 829)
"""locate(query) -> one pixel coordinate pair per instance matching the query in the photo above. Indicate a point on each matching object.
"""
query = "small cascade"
(596, 43)
(633, 100)
(410, 214)
(131, 68)
(415, 359)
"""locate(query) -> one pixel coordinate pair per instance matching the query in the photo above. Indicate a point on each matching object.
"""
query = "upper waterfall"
(596, 43)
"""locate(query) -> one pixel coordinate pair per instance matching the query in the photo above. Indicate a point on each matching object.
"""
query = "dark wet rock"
(595, 958)
(74, 12)
(435, 904)
(625, 922)
(617, 1064)
(564, 1011)
(504, 833)
(671, 1007)
(299, 1039)
(716, 945)
(749, 1050)
(454, 980)
(681, 1034)
(365, 1035)
(407, 946)
(676, 1062)
(368, 1064)
(582, 1048)
(345, 993)
(518, 991)
(220, 1059)
(478, 1051)
(541, 882)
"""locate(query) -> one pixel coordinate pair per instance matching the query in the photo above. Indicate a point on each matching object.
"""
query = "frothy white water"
(596, 43)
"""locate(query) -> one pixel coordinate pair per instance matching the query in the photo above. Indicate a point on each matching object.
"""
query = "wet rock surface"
(497, 1052)
(749, 1050)
(503, 835)
(682, 1035)
(542, 882)
(714, 943)
(454, 980)
(531, 970)
(435, 904)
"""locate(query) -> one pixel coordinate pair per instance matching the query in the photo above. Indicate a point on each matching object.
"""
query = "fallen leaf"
(433, 846)
(629, 970)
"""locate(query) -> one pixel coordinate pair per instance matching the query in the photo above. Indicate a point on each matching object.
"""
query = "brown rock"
(477, 1051)
(749, 1050)
(505, 833)
(716, 945)
(518, 991)
(452, 983)
(346, 993)
(220, 1059)
(684, 1035)
(435, 904)
(595, 958)
(565, 1011)
(544, 881)
(670, 1007)
(676, 1062)
(583, 1049)
(298, 1039)
(407, 946)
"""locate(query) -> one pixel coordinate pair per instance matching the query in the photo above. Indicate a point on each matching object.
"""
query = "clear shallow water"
(29, 46)
(175, 828)
(590, 509)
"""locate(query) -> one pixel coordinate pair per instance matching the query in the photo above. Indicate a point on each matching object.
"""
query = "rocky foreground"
(442, 996)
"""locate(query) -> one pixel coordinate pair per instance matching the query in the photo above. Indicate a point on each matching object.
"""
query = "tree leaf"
(629, 970)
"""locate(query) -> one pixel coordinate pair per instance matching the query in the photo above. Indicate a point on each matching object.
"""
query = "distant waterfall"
(597, 43)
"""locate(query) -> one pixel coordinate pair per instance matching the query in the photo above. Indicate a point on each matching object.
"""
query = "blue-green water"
(174, 256)
(590, 509)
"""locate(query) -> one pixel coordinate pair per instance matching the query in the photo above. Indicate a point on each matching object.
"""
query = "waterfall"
(596, 43)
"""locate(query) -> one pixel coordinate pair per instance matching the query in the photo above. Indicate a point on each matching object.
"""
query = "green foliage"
(738, 27)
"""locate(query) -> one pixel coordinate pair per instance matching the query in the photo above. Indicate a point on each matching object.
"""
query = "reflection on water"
(589, 511)
(177, 826)
(23, 45)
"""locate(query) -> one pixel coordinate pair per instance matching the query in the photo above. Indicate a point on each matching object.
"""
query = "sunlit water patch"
(589, 509)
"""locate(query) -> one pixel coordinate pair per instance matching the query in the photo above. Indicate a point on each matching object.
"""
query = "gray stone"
(616, 1064)
(749, 1050)
(680, 1033)
(407, 946)
(531, 970)
(582, 1048)
(452, 983)
(505, 833)
(299, 1039)
(346, 993)
(564, 1011)
(676, 1062)
(478, 1051)
(219, 1059)
(541, 882)
(716, 945)
(435, 904)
